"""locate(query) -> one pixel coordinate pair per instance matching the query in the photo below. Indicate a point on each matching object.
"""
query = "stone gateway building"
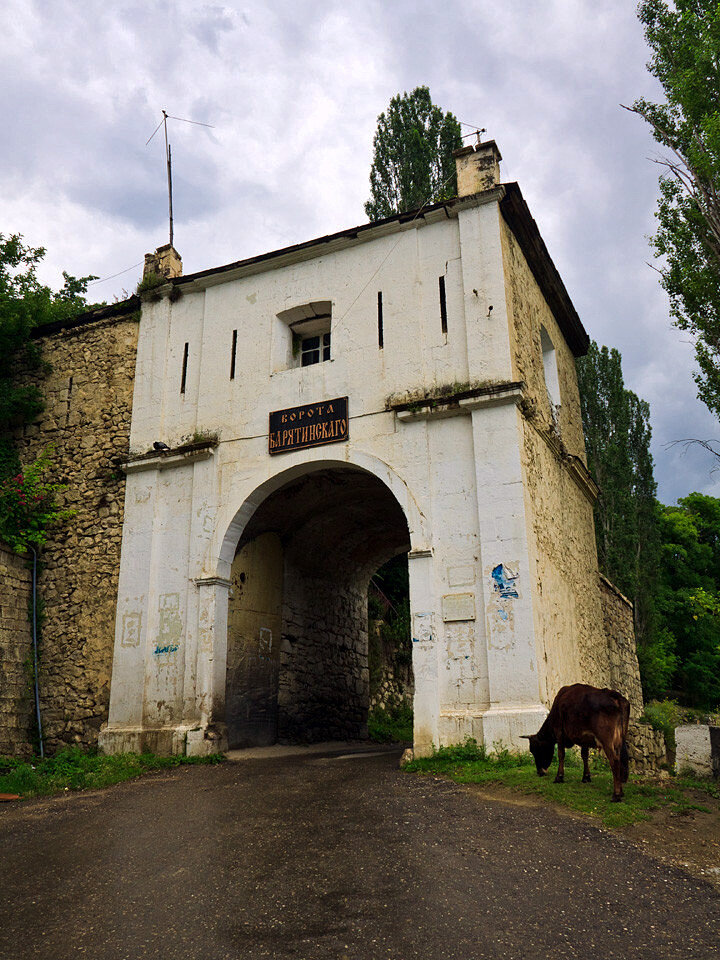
(407, 386)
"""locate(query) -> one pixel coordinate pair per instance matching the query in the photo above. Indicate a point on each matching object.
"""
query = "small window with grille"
(315, 349)
(307, 329)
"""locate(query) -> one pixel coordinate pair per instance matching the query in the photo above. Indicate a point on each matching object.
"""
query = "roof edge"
(122, 308)
(431, 211)
(517, 215)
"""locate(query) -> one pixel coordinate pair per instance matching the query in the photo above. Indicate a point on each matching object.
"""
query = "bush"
(391, 724)
(663, 715)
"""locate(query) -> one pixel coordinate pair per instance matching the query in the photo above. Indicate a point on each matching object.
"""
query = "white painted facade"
(455, 471)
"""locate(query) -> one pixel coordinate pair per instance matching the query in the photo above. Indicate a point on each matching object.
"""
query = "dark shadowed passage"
(297, 666)
(331, 856)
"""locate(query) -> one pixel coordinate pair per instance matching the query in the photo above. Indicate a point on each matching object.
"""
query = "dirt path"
(690, 840)
(333, 857)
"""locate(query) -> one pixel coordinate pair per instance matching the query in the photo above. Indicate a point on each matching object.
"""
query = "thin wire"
(391, 251)
(154, 131)
(167, 116)
(93, 282)
(198, 123)
(260, 436)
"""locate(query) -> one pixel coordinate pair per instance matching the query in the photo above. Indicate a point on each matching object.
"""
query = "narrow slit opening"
(184, 369)
(443, 305)
(233, 354)
(69, 394)
(381, 336)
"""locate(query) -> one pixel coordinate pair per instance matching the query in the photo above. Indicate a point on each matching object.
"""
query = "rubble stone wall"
(558, 497)
(16, 691)
(88, 395)
(646, 747)
(392, 683)
(624, 672)
(324, 680)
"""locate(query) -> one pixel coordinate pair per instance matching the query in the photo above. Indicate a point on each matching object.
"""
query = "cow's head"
(542, 751)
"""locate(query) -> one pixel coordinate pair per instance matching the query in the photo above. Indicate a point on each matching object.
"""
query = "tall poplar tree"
(616, 424)
(688, 599)
(412, 155)
(684, 37)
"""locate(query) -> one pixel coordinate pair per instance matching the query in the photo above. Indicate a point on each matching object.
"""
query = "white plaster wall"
(415, 352)
(457, 479)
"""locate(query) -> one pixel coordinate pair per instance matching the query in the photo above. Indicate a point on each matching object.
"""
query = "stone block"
(698, 750)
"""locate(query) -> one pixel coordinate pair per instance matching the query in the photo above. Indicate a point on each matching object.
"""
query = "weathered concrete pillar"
(424, 630)
(211, 666)
(515, 705)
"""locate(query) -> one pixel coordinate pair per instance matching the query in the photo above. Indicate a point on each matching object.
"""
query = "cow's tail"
(624, 757)
(624, 762)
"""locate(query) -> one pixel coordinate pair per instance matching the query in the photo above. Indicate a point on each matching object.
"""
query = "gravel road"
(331, 856)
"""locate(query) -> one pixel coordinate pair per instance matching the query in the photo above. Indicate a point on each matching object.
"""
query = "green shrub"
(391, 724)
(663, 715)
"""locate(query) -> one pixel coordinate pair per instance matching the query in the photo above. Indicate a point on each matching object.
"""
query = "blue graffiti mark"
(170, 648)
(504, 584)
(415, 640)
(503, 614)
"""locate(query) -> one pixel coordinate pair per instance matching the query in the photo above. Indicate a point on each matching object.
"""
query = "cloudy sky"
(293, 89)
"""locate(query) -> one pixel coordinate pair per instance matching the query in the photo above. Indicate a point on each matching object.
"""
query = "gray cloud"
(293, 91)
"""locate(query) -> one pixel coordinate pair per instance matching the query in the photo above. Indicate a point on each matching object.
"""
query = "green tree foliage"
(616, 424)
(685, 41)
(389, 602)
(412, 155)
(28, 505)
(26, 303)
(688, 598)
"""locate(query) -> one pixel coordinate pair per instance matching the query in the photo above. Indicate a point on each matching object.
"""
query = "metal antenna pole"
(169, 175)
(168, 156)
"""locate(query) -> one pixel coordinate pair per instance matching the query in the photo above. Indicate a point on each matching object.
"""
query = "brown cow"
(589, 717)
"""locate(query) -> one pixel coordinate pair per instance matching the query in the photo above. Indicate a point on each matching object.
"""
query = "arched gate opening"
(297, 651)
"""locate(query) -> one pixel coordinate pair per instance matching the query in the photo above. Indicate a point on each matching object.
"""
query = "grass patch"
(391, 725)
(76, 769)
(470, 764)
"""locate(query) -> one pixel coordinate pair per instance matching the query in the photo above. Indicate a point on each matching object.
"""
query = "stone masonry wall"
(16, 692)
(558, 496)
(646, 746)
(88, 395)
(619, 626)
(324, 679)
(392, 683)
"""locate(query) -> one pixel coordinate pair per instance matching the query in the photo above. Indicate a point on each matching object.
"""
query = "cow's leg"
(561, 764)
(614, 761)
(585, 753)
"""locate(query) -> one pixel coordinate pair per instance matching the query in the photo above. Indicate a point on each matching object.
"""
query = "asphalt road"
(330, 857)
